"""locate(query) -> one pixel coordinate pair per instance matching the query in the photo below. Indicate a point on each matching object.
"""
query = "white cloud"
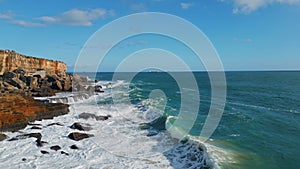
(248, 6)
(76, 17)
(185, 5)
(26, 24)
(7, 15)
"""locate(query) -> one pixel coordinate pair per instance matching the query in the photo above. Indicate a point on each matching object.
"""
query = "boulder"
(7, 86)
(80, 127)
(52, 78)
(1, 85)
(17, 83)
(32, 82)
(78, 87)
(2, 136)
(79, 136)
(7, 76)
(56, 85)
(80, 79)
(42, 92)
(98, 89)
(23, 79)
(90, 89)
(67, 83)
(19, 71)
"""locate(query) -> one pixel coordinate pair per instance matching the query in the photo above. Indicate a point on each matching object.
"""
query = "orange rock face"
(17, 109)
(10, 60)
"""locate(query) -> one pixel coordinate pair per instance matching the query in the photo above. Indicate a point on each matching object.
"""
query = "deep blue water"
(261, 120)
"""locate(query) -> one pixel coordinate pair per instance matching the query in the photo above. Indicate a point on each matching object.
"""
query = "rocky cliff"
(11, 60)
(22, 77)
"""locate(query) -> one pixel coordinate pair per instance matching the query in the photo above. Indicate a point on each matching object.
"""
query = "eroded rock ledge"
(22, 78)
(17, 109)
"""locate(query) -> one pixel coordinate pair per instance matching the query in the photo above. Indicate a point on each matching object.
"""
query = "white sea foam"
(118, 141)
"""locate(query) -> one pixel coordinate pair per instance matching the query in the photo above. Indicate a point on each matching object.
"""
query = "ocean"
(259, 127)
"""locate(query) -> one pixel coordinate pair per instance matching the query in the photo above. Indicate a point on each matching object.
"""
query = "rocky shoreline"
(22, 78)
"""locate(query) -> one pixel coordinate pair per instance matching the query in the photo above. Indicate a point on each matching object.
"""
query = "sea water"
(259, 127)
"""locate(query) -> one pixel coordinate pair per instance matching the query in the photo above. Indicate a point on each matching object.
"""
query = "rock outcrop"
(17, 109)
(79, 136)
(24, 77)
(11, 60)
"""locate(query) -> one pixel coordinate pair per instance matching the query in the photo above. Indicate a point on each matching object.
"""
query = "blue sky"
(248, 34)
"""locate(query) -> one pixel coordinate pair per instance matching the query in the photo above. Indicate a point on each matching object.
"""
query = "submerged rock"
(86, 115)
(79, 136)
(157, 124)
(102, 118)
(90, 115)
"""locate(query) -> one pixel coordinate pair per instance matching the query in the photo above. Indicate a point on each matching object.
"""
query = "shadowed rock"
(25, 136)
(62, 152)
(57, 124)
(56, 147)
(33, 124)
(36, 128)
(79, 136)
(155, 126)
(38, 137)
(40, 143)
(74, 147)
(44, 152)
(80, 127)
(2, 136)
